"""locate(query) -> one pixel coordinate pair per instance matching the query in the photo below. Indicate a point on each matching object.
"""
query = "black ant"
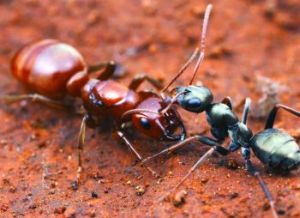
(273, 147)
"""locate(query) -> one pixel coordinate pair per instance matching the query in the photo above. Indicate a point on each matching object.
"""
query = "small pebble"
(33, 206)
(94, 195)
(59, 210)
(106, 190)
(139, 190)
(74, 185)
(281, 211)
(296, 187)
(179, 198)
(3, 142)
(233, 195)
(198, 11)
(232, 164)
(204, 180)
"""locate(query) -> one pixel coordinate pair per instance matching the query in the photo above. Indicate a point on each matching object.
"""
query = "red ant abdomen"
(45, 67)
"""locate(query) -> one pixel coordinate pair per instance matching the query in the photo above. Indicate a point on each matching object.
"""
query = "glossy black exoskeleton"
(273, 147)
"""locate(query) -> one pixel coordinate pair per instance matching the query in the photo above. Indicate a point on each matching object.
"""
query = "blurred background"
(252, 50)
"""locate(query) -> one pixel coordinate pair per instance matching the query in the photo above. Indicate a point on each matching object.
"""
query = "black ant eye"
(145, 123)
(194, 103)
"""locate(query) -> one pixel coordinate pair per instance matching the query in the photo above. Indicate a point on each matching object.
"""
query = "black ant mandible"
(273, 147)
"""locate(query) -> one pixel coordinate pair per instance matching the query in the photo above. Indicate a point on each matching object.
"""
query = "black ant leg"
(246, 110)
(249, 166)
(203, 139)
(140, 78)
(215, 147)
(234, 146)
(253, 171)
(128, 143)
(35, 98)
(273, 113)
(228, 102)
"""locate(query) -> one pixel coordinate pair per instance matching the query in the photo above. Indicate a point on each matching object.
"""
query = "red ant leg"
(139, 79)
(35, 98)
(128, 143)
(80, 144)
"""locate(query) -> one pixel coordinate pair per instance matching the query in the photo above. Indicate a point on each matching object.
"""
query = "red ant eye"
(145, 123)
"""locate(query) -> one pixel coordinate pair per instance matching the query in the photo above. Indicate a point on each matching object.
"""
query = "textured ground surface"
(37, 144)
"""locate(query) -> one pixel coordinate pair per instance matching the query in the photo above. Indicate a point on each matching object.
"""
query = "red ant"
(52, 70)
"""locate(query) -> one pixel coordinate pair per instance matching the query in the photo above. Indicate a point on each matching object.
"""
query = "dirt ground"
(37, 144)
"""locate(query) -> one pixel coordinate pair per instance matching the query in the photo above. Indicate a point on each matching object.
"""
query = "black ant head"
(194, 98)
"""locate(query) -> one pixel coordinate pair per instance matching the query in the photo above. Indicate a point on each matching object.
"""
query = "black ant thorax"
(240, 135)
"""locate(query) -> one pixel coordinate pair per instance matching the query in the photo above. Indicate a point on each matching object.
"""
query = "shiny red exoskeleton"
(49, 67)
(52, 70)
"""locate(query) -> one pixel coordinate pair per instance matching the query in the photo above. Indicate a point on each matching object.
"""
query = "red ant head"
(149, 120)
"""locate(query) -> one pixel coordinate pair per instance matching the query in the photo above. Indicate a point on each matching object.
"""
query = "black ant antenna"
(202, 41)
(196, 51)
(182, 69)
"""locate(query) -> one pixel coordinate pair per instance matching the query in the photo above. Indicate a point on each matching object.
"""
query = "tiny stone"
(179, 198)
(32, 137)
(204, 180)
(53, 185)
(12, 189)
(33, 206)
(3, 142)
(52, 192)
(5, 181)
(296, 187)
(59, 210)
(233, 195)
(70, 212)
(94, 195)
(281, 211)
(198, 11)
(232, 164)
(4, 207)
(74, 185)
(106, 190)
(139, 190)
(159, 180)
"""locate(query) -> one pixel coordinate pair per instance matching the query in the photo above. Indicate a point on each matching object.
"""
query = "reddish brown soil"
(37, 144)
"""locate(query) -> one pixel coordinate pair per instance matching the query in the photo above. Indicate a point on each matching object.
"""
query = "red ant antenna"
(196, 51)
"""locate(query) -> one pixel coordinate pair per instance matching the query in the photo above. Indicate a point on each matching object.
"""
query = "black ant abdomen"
(276, 149)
